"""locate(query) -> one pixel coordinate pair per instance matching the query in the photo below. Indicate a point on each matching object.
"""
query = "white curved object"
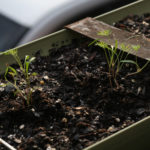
(28, 12)
(62, 15)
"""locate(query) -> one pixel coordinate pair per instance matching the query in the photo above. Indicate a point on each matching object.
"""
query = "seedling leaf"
(131, 62)
(104, 33)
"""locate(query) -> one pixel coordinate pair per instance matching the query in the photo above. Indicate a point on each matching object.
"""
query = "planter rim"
(121, 132)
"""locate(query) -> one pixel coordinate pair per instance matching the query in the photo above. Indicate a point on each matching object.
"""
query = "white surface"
(28, 12)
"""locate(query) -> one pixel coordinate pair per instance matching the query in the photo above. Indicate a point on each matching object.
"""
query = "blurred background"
(22, 21)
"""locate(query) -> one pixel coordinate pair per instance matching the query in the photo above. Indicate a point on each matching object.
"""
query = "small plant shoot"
(104, 33)
(117, 58)
(25, 93)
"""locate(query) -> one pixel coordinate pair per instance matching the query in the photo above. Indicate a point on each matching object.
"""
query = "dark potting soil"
(136, 24)
(73, 104)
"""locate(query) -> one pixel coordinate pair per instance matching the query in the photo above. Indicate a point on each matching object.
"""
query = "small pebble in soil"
(122, 78)
(58, 100)
(49, 147)
(40, 89)
(46, 77)
(64, 120)
(32, 109)
(42, 82)
(85, 57)
(140, 111)
(21, 126)
(18, 141)
(35, 147)
(42, 134)
(1, 89)
(123, 125)
(117, 119)
(112, 129)
(11, 136)
(145, 23)
(59, 63)
(133, 80)
(78, 112)
(36, 114)
(139, 90)
(66, 68)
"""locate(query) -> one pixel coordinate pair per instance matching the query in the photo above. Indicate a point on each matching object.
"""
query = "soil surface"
(136, 24)
(73, 104)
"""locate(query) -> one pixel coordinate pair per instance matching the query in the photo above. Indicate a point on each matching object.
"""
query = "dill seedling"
(117, 58)
(26, 94)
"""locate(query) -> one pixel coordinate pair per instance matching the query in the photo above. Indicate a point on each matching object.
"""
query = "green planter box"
(134, 137)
